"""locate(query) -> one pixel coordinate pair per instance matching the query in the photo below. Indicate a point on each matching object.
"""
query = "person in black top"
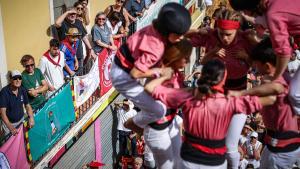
(68, 20)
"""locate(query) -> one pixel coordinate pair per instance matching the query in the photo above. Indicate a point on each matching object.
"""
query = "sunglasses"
(31, 65)
(79, 8)
(101, 19)
(17, 78)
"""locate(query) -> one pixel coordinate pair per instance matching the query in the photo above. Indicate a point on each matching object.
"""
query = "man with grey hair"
(13, 99)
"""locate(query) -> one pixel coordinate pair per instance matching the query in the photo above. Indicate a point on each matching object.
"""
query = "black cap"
(174, 18)
(244, 4)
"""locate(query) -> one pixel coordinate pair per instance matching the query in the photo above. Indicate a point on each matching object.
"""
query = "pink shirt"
(279, 116)
(233, 64)
(283, 19)
(208, 118)
(176, 81)
(147, 47)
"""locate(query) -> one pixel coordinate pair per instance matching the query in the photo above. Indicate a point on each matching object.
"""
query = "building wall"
(25, 25)
(3, 67)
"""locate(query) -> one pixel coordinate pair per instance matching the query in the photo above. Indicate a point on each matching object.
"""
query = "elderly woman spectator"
(101, 34)
(115, 25)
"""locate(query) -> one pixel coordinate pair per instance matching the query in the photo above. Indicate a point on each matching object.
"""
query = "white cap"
(254, 134)
(14, 73)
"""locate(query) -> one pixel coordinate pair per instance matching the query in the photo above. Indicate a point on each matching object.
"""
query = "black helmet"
(244, 4)
(173, 18)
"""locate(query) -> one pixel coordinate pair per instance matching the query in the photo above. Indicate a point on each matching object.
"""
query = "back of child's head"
(264, 53)
(212, 74)
(177, 51)
(172, 18)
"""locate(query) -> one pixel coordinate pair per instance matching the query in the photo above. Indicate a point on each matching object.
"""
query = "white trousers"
(232, 139)
(294, 93)
(130, 88)
(165, 145)
(148, 157)
(189, 165)
(270, 160)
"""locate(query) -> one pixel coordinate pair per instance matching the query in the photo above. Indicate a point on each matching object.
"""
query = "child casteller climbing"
(140, 57)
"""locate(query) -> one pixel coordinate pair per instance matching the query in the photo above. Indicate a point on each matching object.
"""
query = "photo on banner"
(85, 86)
(51, 122)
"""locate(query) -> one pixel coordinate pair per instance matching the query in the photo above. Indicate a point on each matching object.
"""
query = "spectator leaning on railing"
(119, 7)
(13, 98)
(114, 23)
(52, 64)
(101, 34)
(33, 81)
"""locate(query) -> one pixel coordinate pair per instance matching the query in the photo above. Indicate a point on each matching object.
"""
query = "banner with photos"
(52, 121)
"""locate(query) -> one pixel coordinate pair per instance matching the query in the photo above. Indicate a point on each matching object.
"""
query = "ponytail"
(212, 74)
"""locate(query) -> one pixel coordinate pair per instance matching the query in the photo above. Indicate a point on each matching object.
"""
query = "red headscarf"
(228, 24)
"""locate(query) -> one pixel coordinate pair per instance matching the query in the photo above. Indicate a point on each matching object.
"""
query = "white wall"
(3, 65)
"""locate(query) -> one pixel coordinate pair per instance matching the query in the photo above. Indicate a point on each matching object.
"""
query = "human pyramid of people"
(215, 108)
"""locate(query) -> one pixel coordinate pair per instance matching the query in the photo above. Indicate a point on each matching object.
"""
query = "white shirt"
(114, 30)
(243, 164)
(297, 54)
(243, 139)
(250, 152)
(123, 116)
(53, 74)
(293, 66)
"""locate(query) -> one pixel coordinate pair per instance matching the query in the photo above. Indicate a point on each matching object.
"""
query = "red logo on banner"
(104, 70)
(105, 62)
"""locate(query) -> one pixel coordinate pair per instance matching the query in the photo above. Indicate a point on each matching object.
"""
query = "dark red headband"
(228, 24)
